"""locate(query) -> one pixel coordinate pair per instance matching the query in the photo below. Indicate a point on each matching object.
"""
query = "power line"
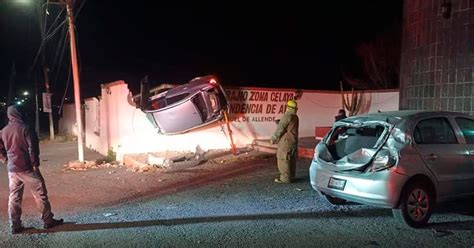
(55, 20)
(61, 46)
(65, 90)
(46, 36)
(43, 43)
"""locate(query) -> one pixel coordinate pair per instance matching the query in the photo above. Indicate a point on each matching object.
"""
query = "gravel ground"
(242, 208)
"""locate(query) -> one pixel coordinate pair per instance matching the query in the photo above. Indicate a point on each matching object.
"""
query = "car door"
(466, 126)
(442, 153)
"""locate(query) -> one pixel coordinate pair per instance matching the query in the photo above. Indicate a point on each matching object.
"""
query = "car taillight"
(155, 105)
(315, 155)
(382, 162)
(213, 81)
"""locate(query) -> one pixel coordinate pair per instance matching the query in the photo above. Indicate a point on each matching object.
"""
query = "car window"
(467, 128)
(345, 140)
(434, 131)
(213, 101)
(201, 106)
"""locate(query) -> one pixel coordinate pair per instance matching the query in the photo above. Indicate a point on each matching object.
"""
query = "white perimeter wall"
(112, 122)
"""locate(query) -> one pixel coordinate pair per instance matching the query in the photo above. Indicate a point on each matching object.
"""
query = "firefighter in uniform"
(286, 135)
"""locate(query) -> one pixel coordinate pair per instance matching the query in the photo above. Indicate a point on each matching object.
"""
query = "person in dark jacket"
(340, 115)
(286, 135)
(19, 146)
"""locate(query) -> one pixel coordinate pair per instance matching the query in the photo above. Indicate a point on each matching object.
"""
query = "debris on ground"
(173, 160)
(373, 243)
(441, 233)
(109, 214)
(299, 189)
(168, 160)
(77, 165)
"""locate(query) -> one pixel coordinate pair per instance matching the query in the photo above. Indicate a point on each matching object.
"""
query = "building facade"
(437, 57)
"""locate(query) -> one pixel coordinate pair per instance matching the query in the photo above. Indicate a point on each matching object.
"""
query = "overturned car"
(200, 102)
(403, 160)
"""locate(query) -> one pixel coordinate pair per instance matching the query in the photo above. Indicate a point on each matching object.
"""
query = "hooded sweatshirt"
(18, 143)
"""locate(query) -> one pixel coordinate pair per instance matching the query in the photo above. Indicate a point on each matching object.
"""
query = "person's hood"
(14, 114)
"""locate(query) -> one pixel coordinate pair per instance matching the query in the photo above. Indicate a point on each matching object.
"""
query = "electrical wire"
(55, 20)
(65, 90)
(43, 43)
(60, 47)
(49, 35)
(68, 82)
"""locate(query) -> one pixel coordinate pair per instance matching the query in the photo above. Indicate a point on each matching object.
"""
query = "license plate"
(335, 183)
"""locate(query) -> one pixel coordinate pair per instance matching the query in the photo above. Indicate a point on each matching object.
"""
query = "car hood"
(392, 140)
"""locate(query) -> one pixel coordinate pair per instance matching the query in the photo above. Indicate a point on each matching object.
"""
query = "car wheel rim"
(418, 204)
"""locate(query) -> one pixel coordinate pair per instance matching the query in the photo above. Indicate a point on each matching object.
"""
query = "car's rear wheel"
(416, 205)
(334, 200)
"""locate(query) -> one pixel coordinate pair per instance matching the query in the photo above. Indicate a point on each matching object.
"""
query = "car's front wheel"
(416, 205)
(334, 200)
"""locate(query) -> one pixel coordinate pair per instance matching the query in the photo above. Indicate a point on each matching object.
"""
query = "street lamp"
(26, 93)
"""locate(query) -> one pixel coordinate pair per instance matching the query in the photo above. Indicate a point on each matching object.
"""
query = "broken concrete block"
(156, 161)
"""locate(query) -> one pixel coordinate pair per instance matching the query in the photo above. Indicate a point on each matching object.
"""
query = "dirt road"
(221, 205)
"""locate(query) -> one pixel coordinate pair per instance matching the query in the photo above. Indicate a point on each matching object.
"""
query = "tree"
(378, 62)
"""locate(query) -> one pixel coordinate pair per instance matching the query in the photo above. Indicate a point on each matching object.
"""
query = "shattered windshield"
(347, 139)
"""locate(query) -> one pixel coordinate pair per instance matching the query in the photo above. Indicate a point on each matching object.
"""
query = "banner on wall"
(257, 105)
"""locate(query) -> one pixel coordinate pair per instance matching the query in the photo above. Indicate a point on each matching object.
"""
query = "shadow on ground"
(74, 227)
(462, 207)
(440, 229)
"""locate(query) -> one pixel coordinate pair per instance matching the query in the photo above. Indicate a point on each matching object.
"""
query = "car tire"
(416, 205)
(334, 200)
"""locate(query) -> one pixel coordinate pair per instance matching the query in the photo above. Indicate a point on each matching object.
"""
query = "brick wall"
(437, 61)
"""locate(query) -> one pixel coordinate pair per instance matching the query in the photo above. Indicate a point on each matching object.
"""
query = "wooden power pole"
(75, 75)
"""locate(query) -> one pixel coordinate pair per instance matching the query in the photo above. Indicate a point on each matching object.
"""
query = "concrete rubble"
(77, 165)
(172, 161)
(162, 161)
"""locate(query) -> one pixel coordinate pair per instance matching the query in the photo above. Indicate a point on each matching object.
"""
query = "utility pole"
(10, 85)
(37, 127)
(75, 75)
(10, 88)
(46, 81)
(50, 113)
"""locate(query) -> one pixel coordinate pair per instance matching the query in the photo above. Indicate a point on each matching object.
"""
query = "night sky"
(287, 44)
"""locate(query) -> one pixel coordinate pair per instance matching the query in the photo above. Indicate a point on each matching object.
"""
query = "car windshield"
(345, 140)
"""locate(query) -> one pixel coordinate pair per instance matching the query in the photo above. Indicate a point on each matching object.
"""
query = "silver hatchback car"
(200, 102)
(403, 160)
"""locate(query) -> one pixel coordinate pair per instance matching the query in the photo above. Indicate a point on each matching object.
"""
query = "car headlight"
(381, 162)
